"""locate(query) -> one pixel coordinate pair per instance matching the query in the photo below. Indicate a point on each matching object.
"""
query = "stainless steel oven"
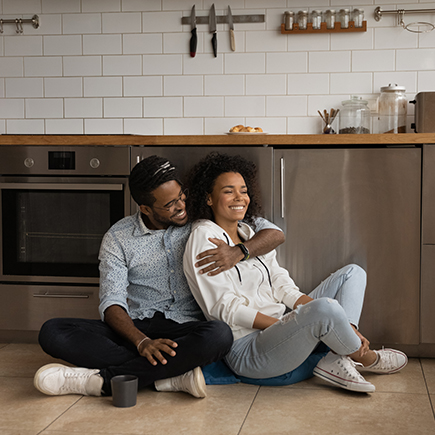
(56, 203)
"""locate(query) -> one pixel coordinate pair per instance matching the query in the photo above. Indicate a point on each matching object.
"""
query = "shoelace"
(76, 382)
(350, 368)
(385, 360)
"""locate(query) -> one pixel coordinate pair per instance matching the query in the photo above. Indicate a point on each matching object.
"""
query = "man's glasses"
(171, 205)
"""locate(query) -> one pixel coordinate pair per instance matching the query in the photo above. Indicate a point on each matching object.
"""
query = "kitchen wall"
(123, 66)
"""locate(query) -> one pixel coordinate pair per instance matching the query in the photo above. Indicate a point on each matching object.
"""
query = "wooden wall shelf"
(323, 29)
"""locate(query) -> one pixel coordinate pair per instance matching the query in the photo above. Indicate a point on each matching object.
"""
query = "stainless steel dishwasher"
(341, 206)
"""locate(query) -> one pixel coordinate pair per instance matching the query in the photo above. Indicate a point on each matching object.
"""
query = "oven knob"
(94, 163)
(28, 163)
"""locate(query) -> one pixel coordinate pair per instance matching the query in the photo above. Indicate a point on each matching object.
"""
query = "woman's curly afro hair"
(202, 179)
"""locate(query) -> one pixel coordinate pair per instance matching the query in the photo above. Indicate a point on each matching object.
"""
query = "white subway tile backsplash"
(101, 6)
(286, 106)
(269, 125)
(163, 107)
(52, 25)
(12, 108)
(426, 40)
(123, 107)
(83, 107)
(304, 125)
(310, 42)
(23, 45)
(351, 83)
(409, 60)
(286, 63)
(224, 85)
(143, 126)
(267, 41)
(42, 66)
(221, 125)
(322, 102)
(271, 84)
(261, 3)
(122, 65)
(3, 126)
(103, 86)
(407, 79)
(25, 126)
(64, 126)
(102, 44)
(308, 84)
(153, 22)
(63, 87)
(81, 23)
(103, 126)
(44, 108)
(21, 7)
(245, 63)
(329, 61)
(355, 41)
(141, 5)
(24, 87)
(126, 22)
(373, 60)
(203, 64)
(82, 66)
(182, 85)
(248, 106)
(179, 43)
(203, 106)
(62, 6)
(62, 45)
(2, 88)
(395, 38)
(183, 126)
(148, 43)
(11, 67)
(151, 86)
(426, 81)
(162, 64)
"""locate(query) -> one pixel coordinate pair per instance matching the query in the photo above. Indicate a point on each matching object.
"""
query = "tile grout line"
(427, 388)
(59, 416)
(249, 410)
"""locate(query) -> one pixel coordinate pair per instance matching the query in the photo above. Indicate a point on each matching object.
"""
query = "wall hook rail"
(401, 22)
(19, 23)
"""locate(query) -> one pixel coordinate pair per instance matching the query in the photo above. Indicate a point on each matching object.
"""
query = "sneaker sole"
(38, 373)
(342, 383)
(380, 372)
(200, 391)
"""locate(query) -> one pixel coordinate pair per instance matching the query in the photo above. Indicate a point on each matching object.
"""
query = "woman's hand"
(365, 344)
(222, 258)
(152, 349)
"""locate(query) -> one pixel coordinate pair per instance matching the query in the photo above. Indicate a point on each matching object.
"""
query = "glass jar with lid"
(316, 19)
(354, 116)
(330, 18)
(343, 16)
(302, 19)
(358, 17)
(288, 20)
(392, 107)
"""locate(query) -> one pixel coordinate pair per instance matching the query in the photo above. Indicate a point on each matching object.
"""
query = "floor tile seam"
(60, 415)
(427, 388)
(249, 410)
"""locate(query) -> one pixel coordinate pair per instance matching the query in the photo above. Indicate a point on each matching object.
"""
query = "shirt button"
(169, 250)
(172, 271)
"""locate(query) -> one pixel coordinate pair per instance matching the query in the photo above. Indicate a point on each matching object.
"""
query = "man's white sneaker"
(192, 382)
(58, 379)
(341, 371)
(388, 361)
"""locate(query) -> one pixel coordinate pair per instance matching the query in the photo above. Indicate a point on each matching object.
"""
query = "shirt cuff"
(106, 304)
(245, 316)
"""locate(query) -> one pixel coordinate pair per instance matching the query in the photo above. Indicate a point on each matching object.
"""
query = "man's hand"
(151, 349)
(221, 258)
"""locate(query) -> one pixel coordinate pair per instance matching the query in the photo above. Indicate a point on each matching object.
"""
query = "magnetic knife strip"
(223, 19)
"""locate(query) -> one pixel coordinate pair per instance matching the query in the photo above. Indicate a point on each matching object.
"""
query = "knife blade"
(230, 23)
(213, 29)
(194, 37)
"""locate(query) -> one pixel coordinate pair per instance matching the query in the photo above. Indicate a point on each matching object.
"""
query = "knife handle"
(214, 44)
(232, 40)
(193, 43)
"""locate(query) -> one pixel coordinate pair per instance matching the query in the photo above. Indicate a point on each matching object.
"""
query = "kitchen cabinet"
(341, 206)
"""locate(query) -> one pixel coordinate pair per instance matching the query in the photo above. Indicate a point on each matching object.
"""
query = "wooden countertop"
(223, 139)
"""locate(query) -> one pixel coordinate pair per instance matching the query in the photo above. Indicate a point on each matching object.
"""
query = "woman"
(255, 296)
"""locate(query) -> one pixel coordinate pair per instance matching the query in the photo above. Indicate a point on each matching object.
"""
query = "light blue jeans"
(285, 345)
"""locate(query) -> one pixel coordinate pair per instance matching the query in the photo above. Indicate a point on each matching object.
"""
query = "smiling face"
(229, 199)
(168, 209)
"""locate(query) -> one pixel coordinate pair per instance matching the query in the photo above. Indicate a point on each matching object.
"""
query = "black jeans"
(93, 344)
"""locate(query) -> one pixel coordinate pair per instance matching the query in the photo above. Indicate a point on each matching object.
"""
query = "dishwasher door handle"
(61, 295)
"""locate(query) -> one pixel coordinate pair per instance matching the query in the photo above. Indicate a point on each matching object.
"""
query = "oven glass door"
(51, 232)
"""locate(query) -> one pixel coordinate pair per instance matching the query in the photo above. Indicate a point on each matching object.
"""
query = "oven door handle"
(60, 295)
(61, 186)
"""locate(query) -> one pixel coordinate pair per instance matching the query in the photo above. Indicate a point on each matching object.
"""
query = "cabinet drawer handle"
(282, 169)
(51, 295)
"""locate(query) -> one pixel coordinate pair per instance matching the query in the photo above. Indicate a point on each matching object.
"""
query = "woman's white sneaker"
(388, 361)
(192, 382)
(58, 379)
(340, 371)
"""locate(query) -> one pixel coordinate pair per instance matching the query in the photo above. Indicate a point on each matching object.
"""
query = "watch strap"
(245, 251)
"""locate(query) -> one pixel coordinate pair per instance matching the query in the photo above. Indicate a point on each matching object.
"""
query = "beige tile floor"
(403, 404)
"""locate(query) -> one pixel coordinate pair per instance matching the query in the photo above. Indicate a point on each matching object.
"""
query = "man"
(151, 326)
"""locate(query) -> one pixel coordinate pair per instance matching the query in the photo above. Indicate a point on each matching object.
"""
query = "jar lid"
(393, 88)
(289, 13)
(354, 99)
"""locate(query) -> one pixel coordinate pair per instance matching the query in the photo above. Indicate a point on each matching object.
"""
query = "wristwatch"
(244, 250)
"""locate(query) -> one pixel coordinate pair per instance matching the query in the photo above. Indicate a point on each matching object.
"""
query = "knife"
(230, 23)
(194, 38)
(213, 29)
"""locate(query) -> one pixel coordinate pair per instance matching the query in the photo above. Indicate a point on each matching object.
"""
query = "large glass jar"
(393, 107)
(354, 116)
